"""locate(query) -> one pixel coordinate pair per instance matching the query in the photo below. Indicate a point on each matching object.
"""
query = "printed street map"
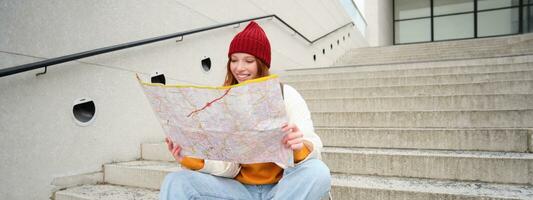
(239, 123)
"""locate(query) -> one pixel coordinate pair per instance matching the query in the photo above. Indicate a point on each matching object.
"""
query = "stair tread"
(399, 59)
(420, 85)
(428, 152)
(296, 81)
(415, 128)
(417, 111)
(421, 97)
(148, 165)
(107, 192)
(355, 69)
(476, 189)
(406, 65)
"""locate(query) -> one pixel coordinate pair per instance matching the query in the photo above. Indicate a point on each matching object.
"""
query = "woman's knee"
(178, 178)
(182, 174)
(318, 170)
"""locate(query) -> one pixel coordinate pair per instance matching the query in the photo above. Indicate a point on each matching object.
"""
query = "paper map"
(239, 123)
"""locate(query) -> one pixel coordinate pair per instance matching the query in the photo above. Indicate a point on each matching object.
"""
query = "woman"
(249, 58)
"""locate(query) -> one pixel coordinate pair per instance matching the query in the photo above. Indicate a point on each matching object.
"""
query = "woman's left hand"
(294, 137)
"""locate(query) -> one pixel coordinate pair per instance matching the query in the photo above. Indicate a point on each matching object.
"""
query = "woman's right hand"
(174, 149)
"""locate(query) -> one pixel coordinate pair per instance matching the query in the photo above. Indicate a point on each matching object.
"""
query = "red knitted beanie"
(252, 40)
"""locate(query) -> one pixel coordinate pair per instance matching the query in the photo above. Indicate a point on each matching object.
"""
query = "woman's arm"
(300, 116)
(216, 168)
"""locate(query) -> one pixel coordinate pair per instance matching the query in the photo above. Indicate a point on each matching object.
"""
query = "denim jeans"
(308, 180)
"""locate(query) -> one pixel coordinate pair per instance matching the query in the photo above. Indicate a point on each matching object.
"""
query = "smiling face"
(243, 66)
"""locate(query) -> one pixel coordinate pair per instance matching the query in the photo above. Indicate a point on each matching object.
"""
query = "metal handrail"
(54, 61)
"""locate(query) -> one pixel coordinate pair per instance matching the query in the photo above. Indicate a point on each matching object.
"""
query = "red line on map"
(209, 103)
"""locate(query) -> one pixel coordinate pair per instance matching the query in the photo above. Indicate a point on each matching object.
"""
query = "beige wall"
(40, 141)
(379, 31)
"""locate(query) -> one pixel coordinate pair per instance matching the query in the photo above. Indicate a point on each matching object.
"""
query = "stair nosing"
(429, 111)
(452, 187)
(432, 96)
(415, 76)
(288, 75)
(422, 61)
(421, 128)
(430, 153)
(425, 85)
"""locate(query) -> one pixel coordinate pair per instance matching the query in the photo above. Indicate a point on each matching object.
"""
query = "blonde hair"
(262, 71)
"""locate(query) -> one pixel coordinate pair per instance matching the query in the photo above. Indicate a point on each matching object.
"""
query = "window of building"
(492, 4)
(498, 22)
(437, 20)
(410, 31)
(454, 27)
(412, 21)
(443, 7)
(408, 9)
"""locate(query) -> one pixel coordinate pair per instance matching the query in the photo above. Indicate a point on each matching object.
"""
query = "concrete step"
(442, 50)
(406, 49)
(429, 49)
(432, 54)
(344, 186)
(348, 59)
(427, 119)
(504, 140)
(494, 167)
(156, 152)
(414, 80)
(106, 192)
(434, 103)
(417, 55)
(502, 40)
(499, 87)
(347, 187)
(145, 174)
(457, 45)
(402, 72)
(420, 65)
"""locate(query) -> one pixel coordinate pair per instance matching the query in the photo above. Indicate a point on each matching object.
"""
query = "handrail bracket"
(179, 40)
(42, 73)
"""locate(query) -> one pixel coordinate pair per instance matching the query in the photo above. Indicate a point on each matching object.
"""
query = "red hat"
(252, 40)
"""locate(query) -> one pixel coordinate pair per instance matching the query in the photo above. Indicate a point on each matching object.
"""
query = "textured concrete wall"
(40, 140)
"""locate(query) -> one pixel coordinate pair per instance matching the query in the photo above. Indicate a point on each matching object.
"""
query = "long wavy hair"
(262, 71)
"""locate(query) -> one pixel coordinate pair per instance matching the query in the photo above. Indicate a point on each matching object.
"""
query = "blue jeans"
(309, 180)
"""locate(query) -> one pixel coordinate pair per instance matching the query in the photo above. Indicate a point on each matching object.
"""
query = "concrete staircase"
(449, 50)
(405, 122)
